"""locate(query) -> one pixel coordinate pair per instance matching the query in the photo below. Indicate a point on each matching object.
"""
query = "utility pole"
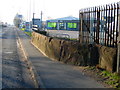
(33, 18)
(80, 27)
(118, 45)
(30, 16)
(41, 19)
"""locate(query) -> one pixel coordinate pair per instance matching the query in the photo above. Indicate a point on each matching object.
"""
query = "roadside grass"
(112, 79)
(22, 29)
(28, 33)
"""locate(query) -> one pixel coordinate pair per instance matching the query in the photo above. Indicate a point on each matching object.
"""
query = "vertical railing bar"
(106, 28)
(101, 11)
(108, 25)
(111, 31)
(91, 23)
(80, 27)
(84, 17)
(98, 25)
(89, 27)
(95, 24)
(114, 24)
(85, 27)
(104, 25)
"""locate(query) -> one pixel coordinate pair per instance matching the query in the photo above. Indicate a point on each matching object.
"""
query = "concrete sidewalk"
(53, 74)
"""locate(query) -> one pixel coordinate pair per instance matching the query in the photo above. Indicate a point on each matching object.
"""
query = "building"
(65, 23)
(36, 22)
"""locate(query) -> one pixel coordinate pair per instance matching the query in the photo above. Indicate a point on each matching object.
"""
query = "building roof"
(65, 18)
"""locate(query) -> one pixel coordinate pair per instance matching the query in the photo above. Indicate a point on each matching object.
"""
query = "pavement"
(54, 74)
(15, 73)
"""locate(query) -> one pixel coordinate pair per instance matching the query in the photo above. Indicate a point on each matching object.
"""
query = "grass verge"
(111, 79)
(29, 33)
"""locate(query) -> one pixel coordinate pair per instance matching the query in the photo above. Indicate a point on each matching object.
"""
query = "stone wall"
(72, 52)
(61, 50)
(108, 58)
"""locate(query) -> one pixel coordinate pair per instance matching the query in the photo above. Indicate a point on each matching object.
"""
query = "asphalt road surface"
(14, 71)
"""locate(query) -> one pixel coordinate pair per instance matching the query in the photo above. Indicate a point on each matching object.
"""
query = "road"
(14, 70)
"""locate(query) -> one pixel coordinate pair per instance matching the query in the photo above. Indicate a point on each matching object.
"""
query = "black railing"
(100, 25)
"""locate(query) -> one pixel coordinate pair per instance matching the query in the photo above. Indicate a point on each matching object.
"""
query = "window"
(61, 26)
(72, 25)
(52, 24)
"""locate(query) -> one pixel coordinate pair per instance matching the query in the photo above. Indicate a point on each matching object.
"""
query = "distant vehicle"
(4, 25)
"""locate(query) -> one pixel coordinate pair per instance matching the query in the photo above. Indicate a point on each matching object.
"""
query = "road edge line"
(37, 80)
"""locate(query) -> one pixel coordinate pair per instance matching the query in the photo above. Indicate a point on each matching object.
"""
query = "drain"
(8, 52)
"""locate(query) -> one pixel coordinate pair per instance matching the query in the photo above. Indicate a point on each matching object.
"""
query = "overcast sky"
(50, 8)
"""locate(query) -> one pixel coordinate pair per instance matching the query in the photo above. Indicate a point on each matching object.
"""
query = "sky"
(51, 8)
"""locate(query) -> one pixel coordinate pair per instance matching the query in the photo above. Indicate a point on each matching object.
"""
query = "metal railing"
(100, 25)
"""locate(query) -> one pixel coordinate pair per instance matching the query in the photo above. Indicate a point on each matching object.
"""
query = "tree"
(18, 19)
